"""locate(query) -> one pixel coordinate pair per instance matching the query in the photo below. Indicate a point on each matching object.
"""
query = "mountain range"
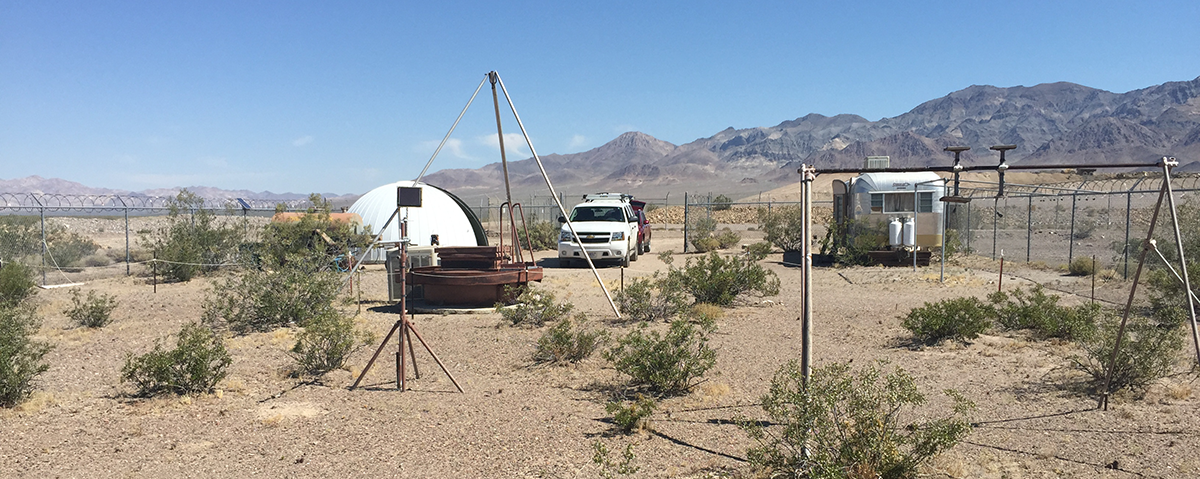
(1050, 124)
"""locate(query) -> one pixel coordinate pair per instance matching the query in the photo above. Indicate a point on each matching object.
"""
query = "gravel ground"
(518, 419)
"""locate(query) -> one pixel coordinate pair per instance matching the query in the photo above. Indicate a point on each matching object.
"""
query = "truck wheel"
(625, 262)
(647, 248)
(634, 255)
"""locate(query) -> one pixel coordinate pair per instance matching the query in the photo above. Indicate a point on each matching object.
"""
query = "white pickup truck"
(607, 227)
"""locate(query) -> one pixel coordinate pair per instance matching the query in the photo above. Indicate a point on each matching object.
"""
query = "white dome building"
(441, 213)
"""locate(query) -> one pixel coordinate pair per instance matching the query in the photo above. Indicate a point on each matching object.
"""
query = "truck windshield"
(597, 213)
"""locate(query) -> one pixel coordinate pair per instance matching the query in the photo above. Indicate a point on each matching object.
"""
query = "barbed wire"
(33, 201)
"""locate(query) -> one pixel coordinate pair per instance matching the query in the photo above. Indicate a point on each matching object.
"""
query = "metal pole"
(945, 222)
(1168, 162)
(1029, 229)
(808, 174)
(995, 223)
(1128, 223)
(1071, 235)
(550, 186)
(685, 222)
(45, 247)
(493, 77)
(968, 226)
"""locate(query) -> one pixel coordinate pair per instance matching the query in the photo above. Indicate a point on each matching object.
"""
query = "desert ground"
(521, 419)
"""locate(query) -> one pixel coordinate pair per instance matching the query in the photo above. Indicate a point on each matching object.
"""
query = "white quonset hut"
(441, 214)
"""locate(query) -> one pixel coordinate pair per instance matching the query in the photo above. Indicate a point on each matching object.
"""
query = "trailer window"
(897, 202)
(877, 202)
(926, 202)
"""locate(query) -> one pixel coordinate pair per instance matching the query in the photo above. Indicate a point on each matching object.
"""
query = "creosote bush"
(92, 312)
(722, 203)
(783, 226)
(700, 231)
(650, 299)
(1081, 266)
(665, 364)
(20, 354)
(1147, 353)
(306, 237)
(567, 341)
(326, 344)
(958, 319)
(633, 415)
(198, 362)
(543, 235)
(727, 238)
(717, 280)
(261, 300)
(16, 283)
(849, 424)
(535, 308)
(1041, 314)
(193, 241)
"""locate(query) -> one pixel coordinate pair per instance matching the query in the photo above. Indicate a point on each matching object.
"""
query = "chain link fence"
(84, 236)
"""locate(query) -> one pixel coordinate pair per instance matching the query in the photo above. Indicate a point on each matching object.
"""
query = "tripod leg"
(400, 367)
(412, 352)
(435, 358)
(376, 355)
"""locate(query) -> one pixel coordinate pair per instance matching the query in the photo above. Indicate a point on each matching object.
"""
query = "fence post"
(1128, 214)
(1029, 229)
(1071, 235)
(969, 226)
(685, 222)
(42, 211)
(127, 240)
(995, 223)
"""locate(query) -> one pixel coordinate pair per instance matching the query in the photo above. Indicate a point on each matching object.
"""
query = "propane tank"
(895, 228)
(910, 232)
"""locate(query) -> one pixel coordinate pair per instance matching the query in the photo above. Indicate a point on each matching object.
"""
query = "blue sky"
(341, 97)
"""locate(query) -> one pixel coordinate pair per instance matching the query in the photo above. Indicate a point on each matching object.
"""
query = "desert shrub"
(21, 237)
(665, 364)
(705, 313)
(722, 203)
(20, 354)
(198, 362)
(1168, 300)
(193, 241)
(610, 468)
(650, 299)
(92, 312)
(535, 308)
(568, 342)
(313, 234)
(706, 244)
(543, 235)
(848, 424)
(850, 241)
(67, 248)
(727, 238)
(632, 415)
(958, 319)
(1146, 354)
(97, 260)
(16, 283)
(717, 280)
(1081, 266)
(700, 233)
(326, 344)
(1040, 313)
(760, 249)
(783, 226)
(260, 300)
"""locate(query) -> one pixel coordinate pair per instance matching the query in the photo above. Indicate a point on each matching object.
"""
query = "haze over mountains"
(1051, 124)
